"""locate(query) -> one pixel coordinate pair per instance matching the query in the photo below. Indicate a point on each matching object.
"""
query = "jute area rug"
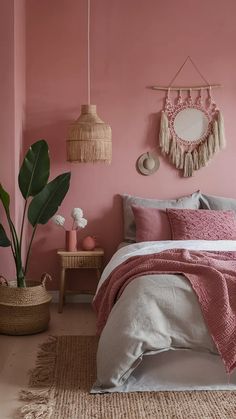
(65, 371)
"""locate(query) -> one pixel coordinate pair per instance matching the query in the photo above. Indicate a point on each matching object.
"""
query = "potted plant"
(24, 307)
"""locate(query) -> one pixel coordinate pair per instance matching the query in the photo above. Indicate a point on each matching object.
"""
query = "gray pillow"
(190, 202)
(217, 202)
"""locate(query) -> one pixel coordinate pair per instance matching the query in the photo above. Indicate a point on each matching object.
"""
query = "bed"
(153, 331)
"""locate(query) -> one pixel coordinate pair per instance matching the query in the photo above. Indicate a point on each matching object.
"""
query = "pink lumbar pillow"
(188, 224)
(152, 224)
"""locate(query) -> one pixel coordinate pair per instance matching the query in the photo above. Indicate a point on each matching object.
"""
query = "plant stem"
(22, 223)
(15, 238)
(13, 252)
(13, 235)
(29, 248)
(17, 256)
(21, 278)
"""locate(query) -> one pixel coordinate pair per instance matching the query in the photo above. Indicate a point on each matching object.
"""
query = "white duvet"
(155, 313)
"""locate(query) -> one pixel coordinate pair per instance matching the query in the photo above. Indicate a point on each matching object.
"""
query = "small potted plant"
(24, 306)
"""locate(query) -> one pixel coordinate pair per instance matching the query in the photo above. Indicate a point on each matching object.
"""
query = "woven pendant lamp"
(89, 138)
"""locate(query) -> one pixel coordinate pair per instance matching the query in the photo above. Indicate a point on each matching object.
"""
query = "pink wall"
(12, 74)
(19, 97)
(133, 44)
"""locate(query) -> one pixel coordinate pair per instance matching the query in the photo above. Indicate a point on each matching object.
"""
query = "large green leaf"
(4, 241)
(5, 198)
(44, 205)
(34, 172)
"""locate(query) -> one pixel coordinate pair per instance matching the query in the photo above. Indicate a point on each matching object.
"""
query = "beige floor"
(18, 353)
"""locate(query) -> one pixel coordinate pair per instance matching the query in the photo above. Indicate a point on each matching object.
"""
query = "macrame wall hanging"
(192, 127)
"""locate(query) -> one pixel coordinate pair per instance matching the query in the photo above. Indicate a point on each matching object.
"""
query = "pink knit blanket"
(212, 276)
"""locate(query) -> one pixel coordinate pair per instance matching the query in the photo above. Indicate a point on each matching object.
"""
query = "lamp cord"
(89, 75)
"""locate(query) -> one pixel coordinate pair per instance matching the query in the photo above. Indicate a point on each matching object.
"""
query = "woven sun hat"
(148, 163)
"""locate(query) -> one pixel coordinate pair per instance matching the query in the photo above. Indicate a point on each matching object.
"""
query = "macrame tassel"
(195, 159)
(203, 155)
(164, 135)
(173, 151)
(210, 145)
(206, 153)
(216, 136)
(188, 165)
(179, 161)
(221, 131)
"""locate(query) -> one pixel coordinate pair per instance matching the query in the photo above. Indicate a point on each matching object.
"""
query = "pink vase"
(71, 240)
(89, 243)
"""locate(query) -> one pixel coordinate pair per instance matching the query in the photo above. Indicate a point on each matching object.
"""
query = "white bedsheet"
(154, 315)
(182, 370)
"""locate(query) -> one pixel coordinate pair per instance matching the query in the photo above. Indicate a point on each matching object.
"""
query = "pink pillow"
(190, 224)
(151, 224)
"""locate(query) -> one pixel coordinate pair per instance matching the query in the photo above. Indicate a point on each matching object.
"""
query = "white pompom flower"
(78, 220)
(58, 220)
(81, 222)
(77, 213)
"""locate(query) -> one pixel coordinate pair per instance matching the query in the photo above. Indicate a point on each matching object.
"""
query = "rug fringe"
(39, 406)
(41, 403)
(42, 374)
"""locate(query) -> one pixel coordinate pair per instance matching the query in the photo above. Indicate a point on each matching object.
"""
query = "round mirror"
(191, 124)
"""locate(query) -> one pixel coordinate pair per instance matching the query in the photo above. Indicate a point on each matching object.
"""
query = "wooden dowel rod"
(212, 86)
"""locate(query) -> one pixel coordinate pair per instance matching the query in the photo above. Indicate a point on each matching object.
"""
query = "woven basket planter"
(24, 311)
